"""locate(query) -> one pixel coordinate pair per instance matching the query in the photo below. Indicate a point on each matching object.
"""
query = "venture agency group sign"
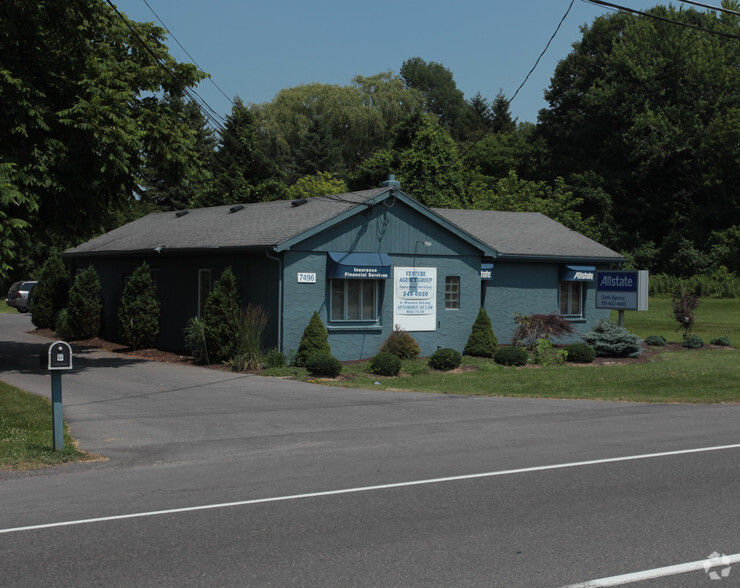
(622, 290)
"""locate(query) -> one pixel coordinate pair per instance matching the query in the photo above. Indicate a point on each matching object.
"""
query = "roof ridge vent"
(180, 213)
(298, 202)
(236, 208)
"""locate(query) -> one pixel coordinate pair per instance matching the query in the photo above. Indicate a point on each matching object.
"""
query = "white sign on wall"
(415, 298)
(306, 278)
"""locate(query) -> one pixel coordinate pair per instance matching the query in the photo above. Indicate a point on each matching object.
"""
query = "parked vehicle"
(19, 295)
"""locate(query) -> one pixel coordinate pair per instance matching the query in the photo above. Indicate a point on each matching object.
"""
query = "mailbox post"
(56, 357)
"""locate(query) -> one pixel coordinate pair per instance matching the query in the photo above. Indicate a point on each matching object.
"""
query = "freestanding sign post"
(55, 357)
(622, 290)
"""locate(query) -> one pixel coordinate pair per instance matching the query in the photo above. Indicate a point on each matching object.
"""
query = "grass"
(690, 376)
(26, 440)
(5, 308)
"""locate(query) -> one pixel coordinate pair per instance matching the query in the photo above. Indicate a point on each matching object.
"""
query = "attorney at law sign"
(414, 298)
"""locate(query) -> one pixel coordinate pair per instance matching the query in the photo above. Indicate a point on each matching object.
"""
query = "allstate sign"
(622, 290)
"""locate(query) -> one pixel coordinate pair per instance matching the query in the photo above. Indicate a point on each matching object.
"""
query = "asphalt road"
(219, 479)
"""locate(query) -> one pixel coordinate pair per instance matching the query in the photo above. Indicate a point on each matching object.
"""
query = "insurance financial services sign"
(622, 289)
(414, 298)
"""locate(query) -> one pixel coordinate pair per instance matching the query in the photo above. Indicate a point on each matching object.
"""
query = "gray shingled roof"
(264, 225)
(258, 225)
(527, 234)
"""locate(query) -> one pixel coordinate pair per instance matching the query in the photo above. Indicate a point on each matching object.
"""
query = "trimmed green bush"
(385, 364)
(482, 342)
(274, 359)
(138, 315)
(580, 353)
(85, 308)
(511, 356)
(63, 327)
(722, 341)
(323, 363)
(445, 359)
(401, 344)
(51, 294)
(610, 340)
(656, 340)
(315, 339)
(221, 318)
(693, 342)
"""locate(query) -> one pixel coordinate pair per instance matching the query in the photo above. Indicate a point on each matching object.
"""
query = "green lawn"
(5, 308)
(26, 440)
(714, 318)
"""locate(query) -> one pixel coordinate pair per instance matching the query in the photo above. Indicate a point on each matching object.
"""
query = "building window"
(354, 300)
(452, 292)
(571, 298)
(204, 289)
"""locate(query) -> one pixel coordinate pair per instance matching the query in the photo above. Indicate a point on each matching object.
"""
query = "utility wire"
(189, 92)
(662, 19)
(720, 8)
(171, 34)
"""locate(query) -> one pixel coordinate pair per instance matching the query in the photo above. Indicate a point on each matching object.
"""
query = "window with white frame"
(354, 300)
(452, 292)
(571, 298)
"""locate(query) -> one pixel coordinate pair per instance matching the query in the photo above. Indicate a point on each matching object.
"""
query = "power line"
(171, 34)
(720, 8)
(661, 18)
(213, 118)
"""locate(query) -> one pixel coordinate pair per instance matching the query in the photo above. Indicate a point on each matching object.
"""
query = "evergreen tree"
(315, 339)
(51, 293)
(138, 315)
(85, 305)
(482, 342)
(221, 318)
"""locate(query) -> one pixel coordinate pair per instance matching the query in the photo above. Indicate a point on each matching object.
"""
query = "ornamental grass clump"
(385, 364)
(401, 344)
(482, 342)
(610, 340)
(248, 346)
(445, 359)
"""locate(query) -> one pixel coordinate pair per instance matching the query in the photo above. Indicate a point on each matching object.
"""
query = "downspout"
(280, 298)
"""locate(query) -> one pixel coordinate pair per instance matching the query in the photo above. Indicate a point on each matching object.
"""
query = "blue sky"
(255, 49)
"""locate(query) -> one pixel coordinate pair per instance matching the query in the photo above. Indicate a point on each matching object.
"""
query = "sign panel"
(622, 289)
(415, 298)
(358, 266)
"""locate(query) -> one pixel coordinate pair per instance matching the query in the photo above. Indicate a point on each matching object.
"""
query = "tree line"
(637, 147)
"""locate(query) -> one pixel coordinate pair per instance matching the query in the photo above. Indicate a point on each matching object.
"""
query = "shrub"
(511, 356)
(221, 318)
(385, 364)
(482, 342)
(248, 343)
(85, 305)
(138, 315)
(722, 341)
(63, 327)
(445, 359)
(546, 354)
(195, 340)
(51, 294)
(656, 340)
(610, 340)
(323, 363)
(693, 342)
(274, 359)
(532, 328)
(684, 303)
(401, 344)
(580, 353)
(315, 339)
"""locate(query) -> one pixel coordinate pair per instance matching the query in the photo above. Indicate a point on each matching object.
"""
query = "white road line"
(693, 566)
(369, 488)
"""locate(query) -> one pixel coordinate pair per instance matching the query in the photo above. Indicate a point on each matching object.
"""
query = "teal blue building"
(368, 262)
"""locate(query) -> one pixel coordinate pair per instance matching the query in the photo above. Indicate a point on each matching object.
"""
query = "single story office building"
(367, 261)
